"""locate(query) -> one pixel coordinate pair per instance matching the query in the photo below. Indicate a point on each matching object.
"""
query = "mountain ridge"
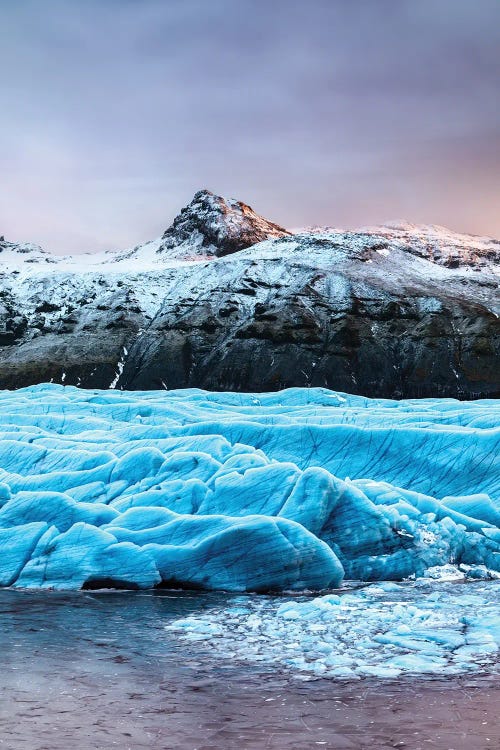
(398, 310)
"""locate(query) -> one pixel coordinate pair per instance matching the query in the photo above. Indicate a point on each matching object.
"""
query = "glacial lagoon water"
(97, 670)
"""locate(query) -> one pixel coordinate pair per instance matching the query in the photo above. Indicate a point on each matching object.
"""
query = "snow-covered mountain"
(227, 300)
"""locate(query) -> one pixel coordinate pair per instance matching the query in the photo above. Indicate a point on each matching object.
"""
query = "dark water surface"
(98, 670)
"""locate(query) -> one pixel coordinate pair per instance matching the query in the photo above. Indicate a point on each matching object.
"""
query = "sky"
(315, 112)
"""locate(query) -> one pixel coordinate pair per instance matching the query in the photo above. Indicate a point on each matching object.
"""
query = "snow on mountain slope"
(429, 241)
(391, 311)
(442, 246)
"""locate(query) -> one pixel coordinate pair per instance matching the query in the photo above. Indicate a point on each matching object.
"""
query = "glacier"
(287, 491)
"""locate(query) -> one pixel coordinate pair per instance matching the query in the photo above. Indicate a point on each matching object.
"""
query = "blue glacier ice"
(292, 490)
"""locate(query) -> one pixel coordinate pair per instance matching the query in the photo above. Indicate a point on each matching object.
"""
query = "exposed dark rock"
(218, 226)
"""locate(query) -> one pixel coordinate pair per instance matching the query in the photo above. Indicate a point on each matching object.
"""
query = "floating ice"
(382, 630)
(279, 491)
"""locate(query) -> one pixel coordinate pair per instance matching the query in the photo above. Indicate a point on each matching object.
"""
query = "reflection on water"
(99, 670)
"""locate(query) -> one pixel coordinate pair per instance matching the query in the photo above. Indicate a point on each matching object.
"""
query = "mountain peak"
(217, 226)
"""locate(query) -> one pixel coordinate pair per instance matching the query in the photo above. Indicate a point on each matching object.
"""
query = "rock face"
(216, 226)
(392, 311)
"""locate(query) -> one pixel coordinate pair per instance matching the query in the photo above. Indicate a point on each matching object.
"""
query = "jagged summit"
(212, 225)
(209, 227)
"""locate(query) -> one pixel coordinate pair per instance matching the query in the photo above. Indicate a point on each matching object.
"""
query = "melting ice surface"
(282, 491)
(381, 630)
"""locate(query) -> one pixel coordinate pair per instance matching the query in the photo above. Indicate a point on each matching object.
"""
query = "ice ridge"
(293, 490)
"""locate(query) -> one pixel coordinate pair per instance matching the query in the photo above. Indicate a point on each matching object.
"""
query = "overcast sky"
(339, 112)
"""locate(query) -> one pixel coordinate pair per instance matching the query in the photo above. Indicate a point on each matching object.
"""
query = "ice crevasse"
(292, 490)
